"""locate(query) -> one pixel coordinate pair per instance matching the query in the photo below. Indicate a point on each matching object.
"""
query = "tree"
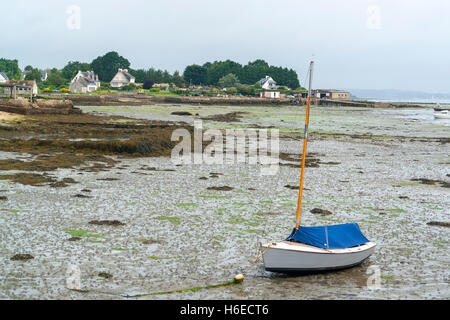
(28, 68)
(72, 68)
(106, 66)
(148, 84)
(56, 79)
(195, 74)
(258, 63)
(219, 69)
(177, 79)
(34, 74)
(247, 90)
(10, 68)
(230, 80)
(250, 73)
(139, 74)
(129, 87)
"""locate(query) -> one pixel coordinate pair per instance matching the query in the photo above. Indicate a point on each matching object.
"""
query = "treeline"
(212, 73)
(158, 76)
(10, 68)
(217, 73)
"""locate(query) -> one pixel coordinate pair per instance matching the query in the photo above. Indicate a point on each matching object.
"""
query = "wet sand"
(144, 228)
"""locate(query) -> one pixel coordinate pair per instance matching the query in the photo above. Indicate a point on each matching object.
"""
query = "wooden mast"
(305, 141)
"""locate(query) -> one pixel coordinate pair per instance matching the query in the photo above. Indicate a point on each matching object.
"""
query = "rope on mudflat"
(240, 277)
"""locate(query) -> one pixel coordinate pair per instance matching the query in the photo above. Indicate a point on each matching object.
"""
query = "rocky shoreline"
(137, 100)
(66, 104)
(40, 106)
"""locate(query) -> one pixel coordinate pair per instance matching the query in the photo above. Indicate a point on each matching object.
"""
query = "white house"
(3, 77)
(122, 78)
(84, 82)
(268, 83)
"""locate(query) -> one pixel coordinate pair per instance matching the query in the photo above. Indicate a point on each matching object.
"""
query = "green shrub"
(129, 87)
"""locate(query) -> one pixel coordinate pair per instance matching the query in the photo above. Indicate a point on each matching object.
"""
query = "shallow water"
(203, 237)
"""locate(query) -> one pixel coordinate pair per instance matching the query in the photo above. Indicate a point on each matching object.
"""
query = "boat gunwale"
(317, 250)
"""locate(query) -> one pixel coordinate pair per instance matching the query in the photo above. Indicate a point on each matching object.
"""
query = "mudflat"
(99, 192)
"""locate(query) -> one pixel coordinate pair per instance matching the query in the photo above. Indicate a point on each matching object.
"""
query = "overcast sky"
(379, 44)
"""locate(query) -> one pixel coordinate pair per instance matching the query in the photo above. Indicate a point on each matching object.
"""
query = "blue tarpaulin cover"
(330, 237)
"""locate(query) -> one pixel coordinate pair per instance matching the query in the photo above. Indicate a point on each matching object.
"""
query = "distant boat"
(313, 249)
(443, 114)
(438, 108)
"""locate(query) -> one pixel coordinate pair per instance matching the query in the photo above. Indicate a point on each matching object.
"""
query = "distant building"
(22, 87)
(3, 77)
(122, 78)
(270, 95)
(268, 83)
(301, 94)
(161, 85)
(331, 94)
(44, 75)
(84, 82)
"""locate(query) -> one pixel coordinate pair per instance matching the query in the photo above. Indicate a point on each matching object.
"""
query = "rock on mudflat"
(321, 212)
(73, 239)
(105, 275)
(22, 257)
(81, 196)
(113, 223)
(439, 224)
(224, 188)
(181, 113)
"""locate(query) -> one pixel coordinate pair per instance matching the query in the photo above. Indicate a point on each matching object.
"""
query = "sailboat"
(444, 114)
(314, 249)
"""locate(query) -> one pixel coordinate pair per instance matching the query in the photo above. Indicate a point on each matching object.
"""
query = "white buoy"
(239, 278)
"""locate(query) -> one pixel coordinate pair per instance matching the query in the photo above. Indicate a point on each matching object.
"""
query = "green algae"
(83, 233)
(174, 220)
(194, 289)
(14, 211)
(162, 258)
(215, 197)
(388, 278)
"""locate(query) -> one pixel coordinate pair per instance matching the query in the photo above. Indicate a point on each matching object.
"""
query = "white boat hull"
(440, 116)
(292, 257)
(444, 114)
